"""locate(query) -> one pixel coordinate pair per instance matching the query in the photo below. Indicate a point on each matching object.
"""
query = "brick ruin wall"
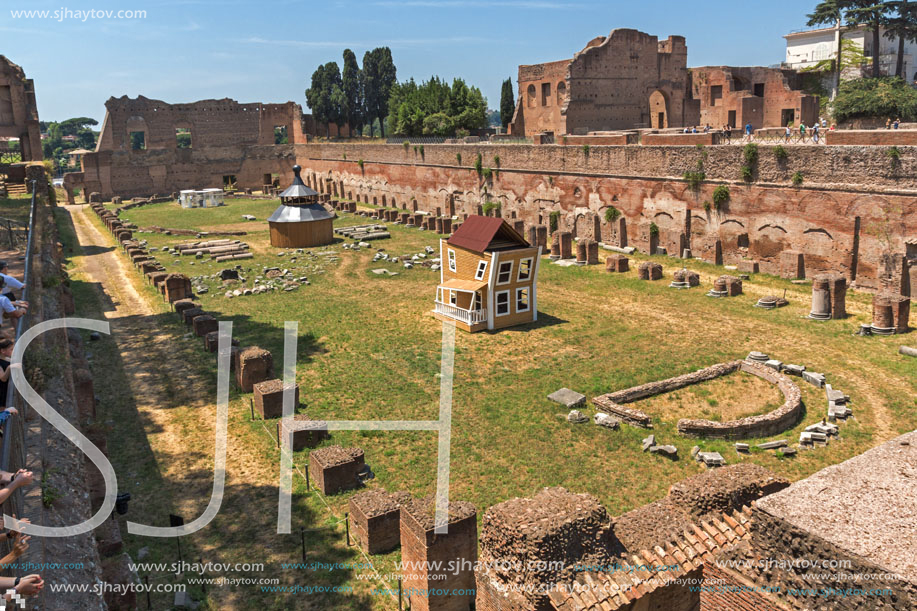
(728, 96)
(851, 199)
(18, 110)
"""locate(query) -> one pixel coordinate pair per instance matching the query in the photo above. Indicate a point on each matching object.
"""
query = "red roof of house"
(478, 233)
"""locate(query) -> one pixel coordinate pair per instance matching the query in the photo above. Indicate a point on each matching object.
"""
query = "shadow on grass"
(544, 321)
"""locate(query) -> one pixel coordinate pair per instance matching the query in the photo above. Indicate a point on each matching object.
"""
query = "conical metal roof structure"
(300, 203)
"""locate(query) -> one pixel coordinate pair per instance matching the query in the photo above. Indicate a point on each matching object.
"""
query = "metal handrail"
(7, 427)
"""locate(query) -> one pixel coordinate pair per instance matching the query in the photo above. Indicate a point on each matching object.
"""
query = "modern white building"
(805, 49)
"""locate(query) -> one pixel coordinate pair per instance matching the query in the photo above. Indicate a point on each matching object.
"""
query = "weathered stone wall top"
(725, 489)
(864, 505)
(858, 167)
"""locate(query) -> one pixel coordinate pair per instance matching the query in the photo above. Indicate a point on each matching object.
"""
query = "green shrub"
(586, 150)
(654, 229)
(893, 153)
(612, 214)
(748, 175)
(720, 196)
(489, 207)
(345, 156)
(875, 97)
(458, 158)
(797, 179)
(497, 160)
(360, 163)
(750, 154)
(707, 205)
(780, 152)
(421, 150)
(487, 173)
(694, 179)
(406, 145)
(478, 165)
(554, 220)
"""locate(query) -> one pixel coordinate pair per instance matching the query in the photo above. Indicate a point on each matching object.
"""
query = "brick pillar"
(438, 224)
(592, 252)
(566, 244)
(447, 225)
(457, 549)
(581, 252)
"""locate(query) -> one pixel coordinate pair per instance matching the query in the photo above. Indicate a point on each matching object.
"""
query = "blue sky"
(185, 50)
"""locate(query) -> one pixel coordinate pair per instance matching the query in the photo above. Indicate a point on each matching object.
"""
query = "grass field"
(369, 349)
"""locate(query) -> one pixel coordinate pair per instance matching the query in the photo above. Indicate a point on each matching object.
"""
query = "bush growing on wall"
(720, 196)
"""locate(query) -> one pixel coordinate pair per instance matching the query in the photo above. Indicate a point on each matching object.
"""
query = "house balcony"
(468, 317)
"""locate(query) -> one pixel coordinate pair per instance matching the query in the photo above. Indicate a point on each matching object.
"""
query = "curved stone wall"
(782, 418)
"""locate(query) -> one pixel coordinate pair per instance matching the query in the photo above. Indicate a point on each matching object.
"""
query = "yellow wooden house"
(488, 278)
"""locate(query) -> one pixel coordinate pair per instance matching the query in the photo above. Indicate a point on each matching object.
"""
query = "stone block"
(774, 364)
(184, 304)
(269, 398)
(375, 520)
(334, 469)
(568, 398)
(431, 588)
(253, 365)
(617, 263)
(813, 378)
(747, 267)
(176, 287)
(204, 324)
(773, 445)
(305, 432)
(188, 315)
(212, 342)
(791, 265)
(604, 420)
(649, 271)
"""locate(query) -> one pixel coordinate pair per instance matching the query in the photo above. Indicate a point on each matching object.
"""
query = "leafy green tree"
(881, 97)
(352, 80)
(73, 127)
(435, 108)
(507, 103)
(903, 26)
(439, 124)
(379, 77)
(323, 100)
(53, 141)
(873, 15)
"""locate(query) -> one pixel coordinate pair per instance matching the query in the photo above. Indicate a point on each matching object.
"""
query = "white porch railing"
(470, 318)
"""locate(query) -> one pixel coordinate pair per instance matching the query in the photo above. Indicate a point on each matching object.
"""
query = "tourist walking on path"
(749, 131)
(787, 134)
(802, 131)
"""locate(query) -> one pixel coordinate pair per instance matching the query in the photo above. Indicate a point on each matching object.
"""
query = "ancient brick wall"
(542, 94)
(874, 137)
(726, 591)
(837, 220)
(764, 97)
(18, 110)
(623, 72)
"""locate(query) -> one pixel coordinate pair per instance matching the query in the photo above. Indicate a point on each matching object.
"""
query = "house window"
(525, 269)
(451, 255)
(502, 303)
(477, 302)
(522, 300)
(482, 269)
(452, 298)
(506, 272)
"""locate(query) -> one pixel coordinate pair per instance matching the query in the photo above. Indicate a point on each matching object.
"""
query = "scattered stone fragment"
(711, 459)
(773, 364)
(567, 398)
(603, 419)
(815, 379)
(742, 447)
(794, 370)
(773, 445)
(810, 437)
(788, 452)
(667, 450)
(577, 417)
(824, 428)
(694, 451)
(649, 442)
